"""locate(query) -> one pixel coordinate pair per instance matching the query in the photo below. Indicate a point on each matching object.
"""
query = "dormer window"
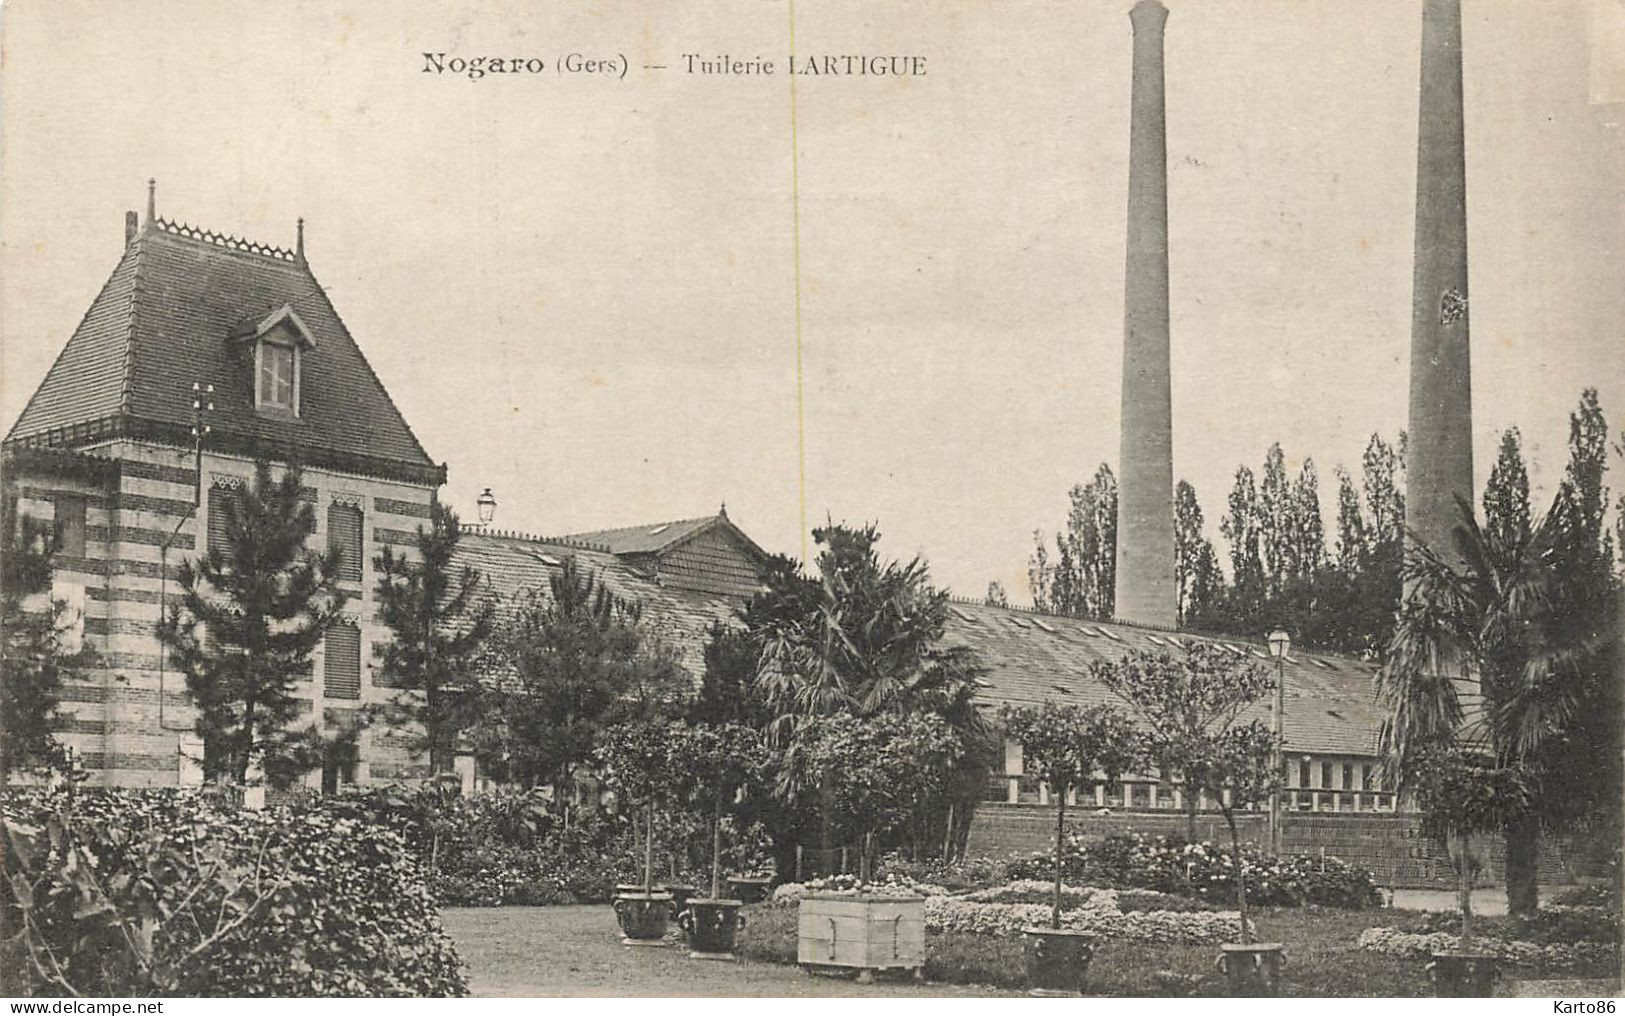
(278, 369)
(280, 341)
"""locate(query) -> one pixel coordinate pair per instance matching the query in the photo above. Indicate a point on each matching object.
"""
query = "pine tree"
(251, 614)
(1506, 496)
(34, 655)
(1308, 531)
(440, 630)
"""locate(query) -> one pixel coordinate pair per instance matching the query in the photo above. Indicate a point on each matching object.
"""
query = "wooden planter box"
(863, 933)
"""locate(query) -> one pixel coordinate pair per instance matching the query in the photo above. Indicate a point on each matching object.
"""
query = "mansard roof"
(166, 318)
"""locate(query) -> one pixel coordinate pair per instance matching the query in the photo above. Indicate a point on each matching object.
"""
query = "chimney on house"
(1145, 592)
(1440, 431)
(152, 201)
(132, 226)
(299, 241)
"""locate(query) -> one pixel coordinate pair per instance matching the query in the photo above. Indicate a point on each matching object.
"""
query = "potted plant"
(716, 760)
(1066, 746)
(635, 762)
(1189, 709)
(1462, 793)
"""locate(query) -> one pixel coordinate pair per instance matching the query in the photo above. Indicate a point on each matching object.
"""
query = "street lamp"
(487, 507)
(1280, 644)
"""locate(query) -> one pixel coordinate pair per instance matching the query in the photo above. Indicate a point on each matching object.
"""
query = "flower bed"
(1205, 871)
(1556, 957)
(1101, 916)
(850, 885)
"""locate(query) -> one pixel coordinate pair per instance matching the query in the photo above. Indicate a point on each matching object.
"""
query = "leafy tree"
(1480, 658)
(1235, 765)
(1353, 538)
(1383, 469)
(1276, 513)
(863, 638)
(439, 631)
(251, 614)
(1065, 746)
(579, 662)
(35, 654)
(1242, 529)
(1196, 566)
(728, 691)
(1182, 704)
(877, 771)
(996, 596)
(1308, 532)
(1506, 495)
(1083, 579)
(714, 763)
(635, 761)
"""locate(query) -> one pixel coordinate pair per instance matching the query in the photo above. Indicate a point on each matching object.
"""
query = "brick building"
(105, 449)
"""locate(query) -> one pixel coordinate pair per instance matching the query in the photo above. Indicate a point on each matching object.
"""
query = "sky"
(582, 290)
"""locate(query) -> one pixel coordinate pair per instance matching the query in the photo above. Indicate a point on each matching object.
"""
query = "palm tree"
(1482, 664)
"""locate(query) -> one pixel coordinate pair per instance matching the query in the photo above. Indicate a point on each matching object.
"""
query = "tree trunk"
(1241, 875)
(948, 837)
(1193, 798)
(1060, 838)
(716, 851)
(1464, 890)
(1522, 850)
(649, 849)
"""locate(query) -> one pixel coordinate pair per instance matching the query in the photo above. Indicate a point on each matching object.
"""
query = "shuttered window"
(70, 525)
(223, 503)
(342, 672)
(344, 536)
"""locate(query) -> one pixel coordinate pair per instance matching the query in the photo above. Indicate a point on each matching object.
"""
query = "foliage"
(961, 873)
(862, 639)
(727, 692)
(121, 893)
(875, 772)
(439, 631)
(1525, 611)
(1196, 565)
(580, 662)
(1205, 871)
(251, 614)
(1098, 915)
(713, 764)
(36, 654)
(1597, 958)
(1082, 580)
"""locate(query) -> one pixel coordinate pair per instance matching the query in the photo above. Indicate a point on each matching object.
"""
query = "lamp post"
(1280, 644)
(486, 505)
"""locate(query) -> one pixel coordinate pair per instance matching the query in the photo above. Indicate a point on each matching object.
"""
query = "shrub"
(966, 873)
(1100, 916)
(1598, 895)
(1206, 871)
(118, 892)
(1562, 957)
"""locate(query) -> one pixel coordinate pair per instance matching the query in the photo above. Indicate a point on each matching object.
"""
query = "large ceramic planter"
(747, 889)
(1463, 975)
(1253, 969)
(680, 893)
(866, 933)
(643, 917)
(711, 926)
(1057, 960)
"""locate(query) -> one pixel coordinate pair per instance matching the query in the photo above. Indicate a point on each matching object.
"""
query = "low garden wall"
(1391, 847)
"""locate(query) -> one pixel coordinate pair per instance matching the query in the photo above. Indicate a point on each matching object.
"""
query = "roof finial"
(723, 511)
(152, 200)
(299, 242)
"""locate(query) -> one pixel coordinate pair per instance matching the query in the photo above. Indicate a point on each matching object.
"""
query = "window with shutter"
(223, 502)
(70, 525)
(342, 670)
(344, 536)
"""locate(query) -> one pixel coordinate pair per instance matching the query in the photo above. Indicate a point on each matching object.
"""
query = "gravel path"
(577, 951)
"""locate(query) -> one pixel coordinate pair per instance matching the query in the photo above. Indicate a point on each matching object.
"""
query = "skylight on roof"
(983, 683)
(1156, 640)
(1110, 634)
(657, 530)
(1063, 689)
(1088, 632)
(962, 615)
(1018, 622)
(1044, 626)
(1320, 663)
(547, 559)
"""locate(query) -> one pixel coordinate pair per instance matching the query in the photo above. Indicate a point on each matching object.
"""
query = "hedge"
(171, 892)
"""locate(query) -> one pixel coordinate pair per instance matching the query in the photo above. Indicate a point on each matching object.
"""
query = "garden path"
(577, 951)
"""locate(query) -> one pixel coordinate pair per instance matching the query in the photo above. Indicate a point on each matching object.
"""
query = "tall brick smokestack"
(1439, 455)
(1145, 504)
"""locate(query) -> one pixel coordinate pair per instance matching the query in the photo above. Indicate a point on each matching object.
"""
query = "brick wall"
(1391, 847)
